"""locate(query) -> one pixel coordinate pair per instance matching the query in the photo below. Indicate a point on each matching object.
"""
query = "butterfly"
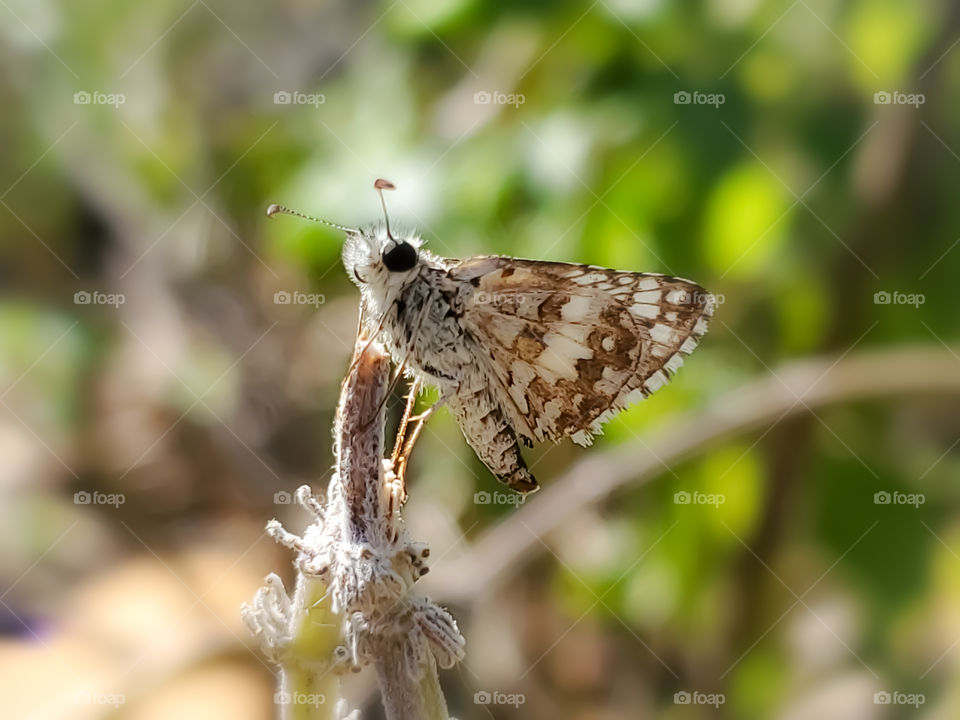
(521, 351)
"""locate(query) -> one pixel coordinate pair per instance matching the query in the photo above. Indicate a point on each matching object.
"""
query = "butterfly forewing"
(570, 344)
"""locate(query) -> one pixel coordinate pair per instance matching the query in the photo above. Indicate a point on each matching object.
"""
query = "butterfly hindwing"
(572, 345)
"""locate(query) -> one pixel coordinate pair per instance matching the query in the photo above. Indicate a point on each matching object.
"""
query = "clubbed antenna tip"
(380, 185)
(274, 209)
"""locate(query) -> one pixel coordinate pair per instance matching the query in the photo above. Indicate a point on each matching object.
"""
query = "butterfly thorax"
(422, 327)
(414, 312)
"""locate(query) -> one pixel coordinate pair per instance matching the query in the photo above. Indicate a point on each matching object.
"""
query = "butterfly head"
(378, 260)
(374, 256)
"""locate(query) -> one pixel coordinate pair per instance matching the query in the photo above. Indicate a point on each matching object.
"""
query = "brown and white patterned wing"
(572, 345)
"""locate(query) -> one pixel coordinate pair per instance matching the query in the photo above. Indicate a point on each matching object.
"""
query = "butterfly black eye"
(401, 257)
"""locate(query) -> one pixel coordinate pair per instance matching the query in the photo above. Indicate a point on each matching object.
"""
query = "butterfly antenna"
(281, 210)
(380, 185)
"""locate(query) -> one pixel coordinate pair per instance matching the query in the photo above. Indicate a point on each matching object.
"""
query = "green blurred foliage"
(796, 199)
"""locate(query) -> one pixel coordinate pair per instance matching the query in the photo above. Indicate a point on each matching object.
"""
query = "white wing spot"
(609, 382)
(582, 438)
(576, 309)
(577, 333)
(523, 374)
(645, 311)
(608, 343)
(655, 381)
(689, 345)
(709, 304)
(651, 296)
(519, 396)
(674, 363)
(591, 278)
(561, 355)
(551, 411)
(663, 334)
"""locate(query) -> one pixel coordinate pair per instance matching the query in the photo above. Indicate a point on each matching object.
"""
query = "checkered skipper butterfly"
(521, 350)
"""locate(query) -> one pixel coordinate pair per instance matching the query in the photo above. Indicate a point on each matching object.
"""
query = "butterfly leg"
(405, 442)
(492, 437)
(404, 456)
(404, 421)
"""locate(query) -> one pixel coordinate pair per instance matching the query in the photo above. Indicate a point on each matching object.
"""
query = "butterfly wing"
(572, 345)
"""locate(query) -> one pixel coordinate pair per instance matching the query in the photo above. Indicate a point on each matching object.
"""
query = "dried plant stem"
(305, 679)
(403, 699)
(355, 603)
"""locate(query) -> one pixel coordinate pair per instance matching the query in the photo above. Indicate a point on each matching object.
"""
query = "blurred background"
(774, 535)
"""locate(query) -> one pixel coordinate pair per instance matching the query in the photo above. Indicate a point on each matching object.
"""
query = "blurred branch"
(796, 388)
